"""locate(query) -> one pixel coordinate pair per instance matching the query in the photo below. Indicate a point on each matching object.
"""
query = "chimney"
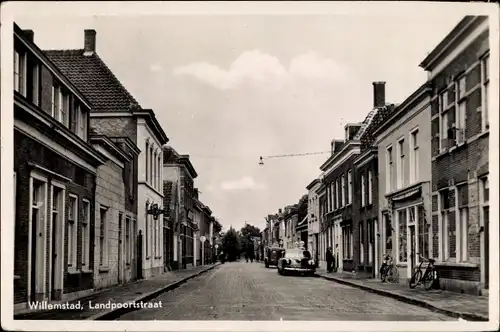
(29, 34)
(280, 210)
(89, 46)
(378, 94)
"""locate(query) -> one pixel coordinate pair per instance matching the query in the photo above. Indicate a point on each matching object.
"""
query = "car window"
(293, 253)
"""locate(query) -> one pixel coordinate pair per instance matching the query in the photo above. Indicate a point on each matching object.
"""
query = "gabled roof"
(94, 78)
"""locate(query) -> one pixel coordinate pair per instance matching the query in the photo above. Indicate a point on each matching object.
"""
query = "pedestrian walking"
(329, 260)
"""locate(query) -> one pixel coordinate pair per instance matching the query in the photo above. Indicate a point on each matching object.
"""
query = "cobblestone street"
(249, 291)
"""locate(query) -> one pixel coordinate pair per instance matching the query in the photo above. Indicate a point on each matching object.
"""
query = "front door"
(165, 249)
(413, 253)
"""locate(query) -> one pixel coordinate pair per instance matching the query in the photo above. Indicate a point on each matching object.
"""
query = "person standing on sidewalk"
(329, 260)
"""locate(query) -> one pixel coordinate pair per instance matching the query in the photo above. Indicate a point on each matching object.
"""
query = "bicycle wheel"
(415, 278)
(429, 279)
(383, 274)
(392, 274)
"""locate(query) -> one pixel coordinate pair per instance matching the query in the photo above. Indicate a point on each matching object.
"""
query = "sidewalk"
(139, 291)
(465, 306)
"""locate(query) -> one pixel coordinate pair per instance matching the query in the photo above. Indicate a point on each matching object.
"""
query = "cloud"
(156, 67)
(244, 183)
(264, 70)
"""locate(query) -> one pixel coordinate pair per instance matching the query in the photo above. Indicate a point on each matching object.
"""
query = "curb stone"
(115, 313)
(407, 299)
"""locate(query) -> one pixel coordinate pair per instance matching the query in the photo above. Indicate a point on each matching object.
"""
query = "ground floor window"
(86, 235)
(402, 241)
(347, 242)
(371, 240)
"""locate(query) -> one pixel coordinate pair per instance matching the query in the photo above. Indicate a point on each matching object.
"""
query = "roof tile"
(93, 77)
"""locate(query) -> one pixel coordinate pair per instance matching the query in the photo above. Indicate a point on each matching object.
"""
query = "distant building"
(313, 217)
(178, 169)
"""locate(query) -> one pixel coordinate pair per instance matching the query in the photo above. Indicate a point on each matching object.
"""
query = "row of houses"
(412, 178)
(100, 198)
(287, 227)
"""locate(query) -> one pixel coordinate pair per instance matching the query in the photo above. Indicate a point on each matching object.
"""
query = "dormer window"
(20, 72)
(60, 105)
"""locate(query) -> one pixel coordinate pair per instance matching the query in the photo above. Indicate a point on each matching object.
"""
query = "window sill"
(85, 271)
(72, 271)
(103, 269)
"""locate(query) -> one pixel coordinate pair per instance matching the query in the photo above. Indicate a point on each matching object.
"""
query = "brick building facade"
(179, 170)
(365, 190)
(53, 161)
(459, 74)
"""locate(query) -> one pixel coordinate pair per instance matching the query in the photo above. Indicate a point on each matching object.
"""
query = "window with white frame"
(462, 221)
(147, 162)
(86, 235)
(461, 87)
(349, 187)
(20, 72)
(388, 170)
(160, 170)
(460, 116)
(414, 156)
(103, 236)
(443, 120)
(337, 193)
(34, 68)
(401, 164)
(63, 107)
(334, 196)
(72, 230)
(370, 186)
(402, 241)
(363, 190)
(151, 164)
(446, 234)
(82, 122)
(343, 190)
(347, 242)
(153, 177)
(485, 81)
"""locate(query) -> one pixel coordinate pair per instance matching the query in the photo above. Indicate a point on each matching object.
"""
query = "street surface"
(249, 291)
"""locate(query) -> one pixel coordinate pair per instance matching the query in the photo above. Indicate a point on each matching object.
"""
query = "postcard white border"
(10, 10)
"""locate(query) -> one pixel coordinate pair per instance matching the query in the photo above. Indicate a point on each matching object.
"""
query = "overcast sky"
(228, 89)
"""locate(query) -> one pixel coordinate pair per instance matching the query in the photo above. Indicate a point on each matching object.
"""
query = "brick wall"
(82, 185)
(115, 127)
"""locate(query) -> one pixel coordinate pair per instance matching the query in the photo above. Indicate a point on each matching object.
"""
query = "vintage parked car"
(297, 260)
(272, 255)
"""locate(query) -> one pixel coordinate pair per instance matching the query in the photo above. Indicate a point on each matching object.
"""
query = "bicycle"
(428, 276)
(388, 270)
